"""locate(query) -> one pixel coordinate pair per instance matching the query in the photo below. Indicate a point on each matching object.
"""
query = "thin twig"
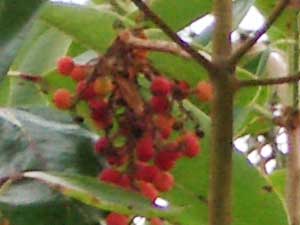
(236, 56)
(202, 60)
(270, 81)
(159, 46)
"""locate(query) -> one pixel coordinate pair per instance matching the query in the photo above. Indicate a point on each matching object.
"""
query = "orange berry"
(204, 91)
(65, 65)
(103, 86)
(165, 124)
(62, 99)
(78, 73)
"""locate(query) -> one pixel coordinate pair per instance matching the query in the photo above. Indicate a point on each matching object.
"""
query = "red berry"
(166, 159)
(101, 144)
(156, 221)
(164, 181)
(160, 104)
(146, 172)
(103, 122)
(204, 91)
(117, 160)
(144, 148)
(99, 108)
(165, 125)
(65, 65)
(161, 86)
(85, 91)
(181, 90)
(78, 73)
(124, 181)
(117, 219)
(191, 143)
(110, 175)
(148, 190)
(62, 99)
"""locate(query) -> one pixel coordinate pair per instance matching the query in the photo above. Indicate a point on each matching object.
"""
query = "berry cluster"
(143, 137)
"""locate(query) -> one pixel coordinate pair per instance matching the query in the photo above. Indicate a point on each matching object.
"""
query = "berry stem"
(202, 60)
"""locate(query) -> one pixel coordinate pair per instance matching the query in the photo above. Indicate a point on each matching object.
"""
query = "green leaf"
(94, 28)
(37, 56)
(249, 194)
(178, 14)
(15, 22)
(42, 52)
(37, 141)
(248, 97)
(102, 195)
(178, 68)
(278, 179)
(43, 140)
(4, 91)
(23, 93)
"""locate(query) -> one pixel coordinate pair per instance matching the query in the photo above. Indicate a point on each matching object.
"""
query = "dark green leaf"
(45, 140)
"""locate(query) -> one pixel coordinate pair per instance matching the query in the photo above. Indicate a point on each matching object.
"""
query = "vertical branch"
(296, 62)
(293, 170)
(293, 132)
(222, 118)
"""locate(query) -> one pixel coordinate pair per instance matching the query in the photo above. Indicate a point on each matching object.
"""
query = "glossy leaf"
(101, 195)
(45, 140)
(15, 22)
(43, 53)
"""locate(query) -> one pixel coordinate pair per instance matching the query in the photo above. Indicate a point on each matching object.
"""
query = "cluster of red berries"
(152, 140)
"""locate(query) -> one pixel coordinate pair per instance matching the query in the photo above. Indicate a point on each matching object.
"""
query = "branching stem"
(202, 60)
(270, 81)
(238, 54)
(159, 46)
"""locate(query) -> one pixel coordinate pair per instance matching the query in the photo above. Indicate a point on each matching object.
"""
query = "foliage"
(49, 168)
